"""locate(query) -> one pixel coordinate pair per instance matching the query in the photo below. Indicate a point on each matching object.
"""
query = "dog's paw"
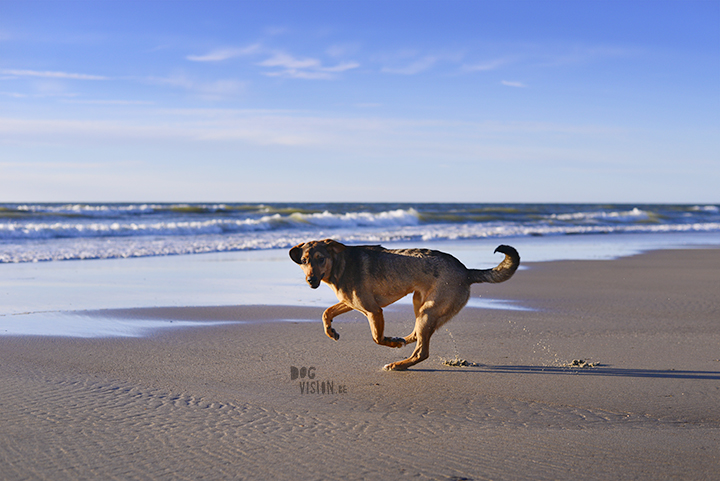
(395, 341)
(332, 334)
(393, 366)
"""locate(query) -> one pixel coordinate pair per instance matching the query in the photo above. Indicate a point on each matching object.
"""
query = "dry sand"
(219, 402)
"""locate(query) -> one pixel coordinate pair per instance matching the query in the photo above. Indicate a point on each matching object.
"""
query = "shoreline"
(267, 277)
(220, 401)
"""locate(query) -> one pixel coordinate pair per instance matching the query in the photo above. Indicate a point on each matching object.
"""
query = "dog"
(368, 278)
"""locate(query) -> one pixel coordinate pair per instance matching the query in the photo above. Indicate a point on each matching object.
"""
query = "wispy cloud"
(286, 61)
(63, 165)
(509, 83)
(16, 95)
(224, 54)
(412, 62)
(341, 67)
(51, 74)
(370, 134)
(286, 65)
(214, 90)
(280, 63)
(107, 102)
(415, 67)
(533, 56)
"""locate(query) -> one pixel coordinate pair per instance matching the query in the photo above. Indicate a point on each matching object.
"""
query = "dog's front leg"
(329, 314)
(377, 327)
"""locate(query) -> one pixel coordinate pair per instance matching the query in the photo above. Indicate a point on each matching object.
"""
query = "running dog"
(368, 278)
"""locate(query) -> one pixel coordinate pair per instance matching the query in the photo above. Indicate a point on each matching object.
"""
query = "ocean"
(150, 255)
(57, 232)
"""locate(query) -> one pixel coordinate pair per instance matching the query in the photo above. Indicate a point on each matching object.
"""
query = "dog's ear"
(296, 253)
(334, 246)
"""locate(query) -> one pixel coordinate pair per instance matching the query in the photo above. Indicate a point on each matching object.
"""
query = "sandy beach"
(163, 163)
(258, 398)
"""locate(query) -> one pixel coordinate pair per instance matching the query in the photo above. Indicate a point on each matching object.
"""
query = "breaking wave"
(39, 232)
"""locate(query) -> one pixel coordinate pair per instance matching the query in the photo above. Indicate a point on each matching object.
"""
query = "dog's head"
(316, 259)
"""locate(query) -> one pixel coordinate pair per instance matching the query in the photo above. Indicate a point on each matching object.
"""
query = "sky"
(360, 101)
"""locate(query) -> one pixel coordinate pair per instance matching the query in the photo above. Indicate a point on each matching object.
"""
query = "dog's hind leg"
(421, 352)
(417, 304)
(329, 314)
(428, 321)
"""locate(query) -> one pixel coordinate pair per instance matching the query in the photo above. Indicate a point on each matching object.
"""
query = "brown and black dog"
(368, 278)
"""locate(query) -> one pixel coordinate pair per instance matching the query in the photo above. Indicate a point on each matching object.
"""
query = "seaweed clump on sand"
(582, 364)
(457, 362)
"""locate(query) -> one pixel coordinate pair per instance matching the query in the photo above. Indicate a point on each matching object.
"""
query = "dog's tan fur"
(368, 278)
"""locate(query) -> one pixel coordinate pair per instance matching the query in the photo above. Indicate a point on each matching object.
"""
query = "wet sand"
(220, 402)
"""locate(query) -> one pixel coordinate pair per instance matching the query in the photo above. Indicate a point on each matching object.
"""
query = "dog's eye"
(321, 261)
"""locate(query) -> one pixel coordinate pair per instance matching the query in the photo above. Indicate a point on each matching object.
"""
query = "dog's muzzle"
(314, 281)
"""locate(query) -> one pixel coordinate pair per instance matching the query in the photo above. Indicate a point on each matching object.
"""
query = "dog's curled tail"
(502, 272)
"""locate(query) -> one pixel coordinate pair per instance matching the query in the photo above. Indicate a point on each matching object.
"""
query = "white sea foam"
(399, 217)
(706, 208)
(78, 231)
(633, 215)
(124, 247)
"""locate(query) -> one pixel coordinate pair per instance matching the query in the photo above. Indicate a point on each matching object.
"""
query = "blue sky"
(417, 101)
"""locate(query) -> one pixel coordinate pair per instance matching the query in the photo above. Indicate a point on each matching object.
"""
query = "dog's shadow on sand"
(589, 371)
